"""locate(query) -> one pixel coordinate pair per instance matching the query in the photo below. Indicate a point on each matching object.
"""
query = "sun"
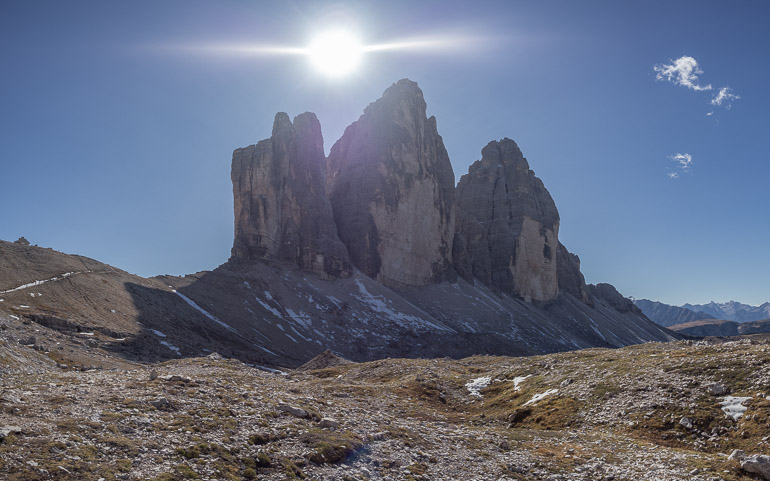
(335, 53)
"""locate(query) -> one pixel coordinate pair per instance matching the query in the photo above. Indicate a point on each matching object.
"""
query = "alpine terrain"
(374, 321)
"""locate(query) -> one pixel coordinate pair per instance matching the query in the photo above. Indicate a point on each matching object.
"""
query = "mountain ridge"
(668, 315)
(358, 254)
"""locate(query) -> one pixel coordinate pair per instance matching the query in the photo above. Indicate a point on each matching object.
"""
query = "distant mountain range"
(668, 315)
(733, 311)
(719, 328)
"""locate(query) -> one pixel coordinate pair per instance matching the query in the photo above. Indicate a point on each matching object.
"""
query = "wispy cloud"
(683, 71)
(682, 165)
(724, 98)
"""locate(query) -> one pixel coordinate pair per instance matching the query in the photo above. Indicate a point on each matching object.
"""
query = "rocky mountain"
(510, 224)
(282, 211)
(273, 313)
(391, 186)
(721, 328)
(358, 254)
(667, 315)
(733, 311)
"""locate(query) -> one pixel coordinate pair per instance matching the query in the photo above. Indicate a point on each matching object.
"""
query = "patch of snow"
(86, 333)
(158, 333)
(599, 333)
(266, 349)
(300, 318)
(733, 406)
(476, 385)
(594, 326)
(246, 283)
(300, 335)
(518, 380)
(112, 311)
(378, 304)
(37, 283)
(260, 334)
(14, 317)
(270, 369)
(268, 296)
(319, 333)
(172, 347)
(267, 306)
(24, 307)
(495, 303)
(541, 396)
(195, 306)
(292, 338)
(279, 326)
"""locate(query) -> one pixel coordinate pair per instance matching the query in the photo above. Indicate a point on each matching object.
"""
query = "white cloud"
(724, 97)
(683, 163)
(683, 71)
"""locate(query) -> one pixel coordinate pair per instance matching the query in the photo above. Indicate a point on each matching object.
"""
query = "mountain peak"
(391, 186)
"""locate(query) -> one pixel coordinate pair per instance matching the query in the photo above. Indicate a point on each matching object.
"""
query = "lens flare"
(335, 53)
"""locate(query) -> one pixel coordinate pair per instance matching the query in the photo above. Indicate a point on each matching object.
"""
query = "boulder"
(6, 431)
(329, 423)
(717, 389)
(281, 208)
(736, 455)
(757, 464)
(391, 187)
(294, 411)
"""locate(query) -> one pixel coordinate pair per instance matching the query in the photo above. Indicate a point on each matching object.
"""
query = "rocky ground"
(644, 412)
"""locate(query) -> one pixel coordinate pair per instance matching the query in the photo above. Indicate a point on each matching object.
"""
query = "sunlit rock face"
(281, 208)
(391, 187)
(510, 225)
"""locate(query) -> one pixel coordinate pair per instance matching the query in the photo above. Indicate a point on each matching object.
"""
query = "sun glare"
(335, 53)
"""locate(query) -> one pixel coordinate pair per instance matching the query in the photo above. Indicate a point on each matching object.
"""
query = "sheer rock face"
(281, 208)
(510, 225)
(391, 187)
(571, 280)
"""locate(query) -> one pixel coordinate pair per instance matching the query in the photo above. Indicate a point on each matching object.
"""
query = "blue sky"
(117, 128)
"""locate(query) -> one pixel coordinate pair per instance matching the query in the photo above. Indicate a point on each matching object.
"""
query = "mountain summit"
(392, 190)
(370, 253)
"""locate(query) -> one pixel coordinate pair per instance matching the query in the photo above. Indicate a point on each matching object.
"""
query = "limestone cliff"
(281, 208)
(510, 225)
(391, 187)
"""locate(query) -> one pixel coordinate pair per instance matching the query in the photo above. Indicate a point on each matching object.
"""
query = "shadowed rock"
(281, 208)
(510, 225)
